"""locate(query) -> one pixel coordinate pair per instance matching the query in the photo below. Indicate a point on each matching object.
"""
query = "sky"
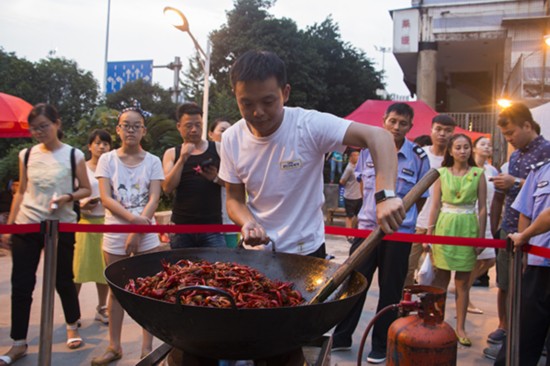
(76, 29)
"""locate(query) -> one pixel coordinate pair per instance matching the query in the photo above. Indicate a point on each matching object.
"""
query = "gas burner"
(317, 353)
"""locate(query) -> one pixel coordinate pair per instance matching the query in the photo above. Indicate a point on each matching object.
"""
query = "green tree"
(102, 117)
(325, 73)
(152, 97)
(58, 81)
(73, 91)
(17, 76)
(349, 76)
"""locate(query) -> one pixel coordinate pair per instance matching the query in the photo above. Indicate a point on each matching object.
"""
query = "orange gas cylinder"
(425, 338)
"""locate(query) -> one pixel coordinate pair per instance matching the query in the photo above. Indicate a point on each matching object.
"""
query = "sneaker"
(491, 352)
(102, 314)
(497, 336)
(376, 357)
(340, 346)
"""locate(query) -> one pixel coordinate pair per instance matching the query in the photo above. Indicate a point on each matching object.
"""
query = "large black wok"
(237, 333)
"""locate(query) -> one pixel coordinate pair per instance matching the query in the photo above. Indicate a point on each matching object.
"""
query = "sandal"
(475, 310)
(9, 360)
(109, 356)
(102, 315)
(74, 342)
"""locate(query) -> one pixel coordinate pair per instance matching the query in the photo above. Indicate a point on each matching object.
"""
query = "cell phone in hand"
(206, 163)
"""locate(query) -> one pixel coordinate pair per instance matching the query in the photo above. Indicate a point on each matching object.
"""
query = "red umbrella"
(13, 116)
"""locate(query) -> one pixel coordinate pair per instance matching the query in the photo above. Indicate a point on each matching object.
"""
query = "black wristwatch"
(383, 195)
(517, 183)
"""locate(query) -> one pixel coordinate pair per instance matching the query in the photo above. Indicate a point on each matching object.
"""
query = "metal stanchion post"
(51, 234)
(514, 304)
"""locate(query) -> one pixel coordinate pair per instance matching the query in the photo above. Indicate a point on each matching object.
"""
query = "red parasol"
(13, 116)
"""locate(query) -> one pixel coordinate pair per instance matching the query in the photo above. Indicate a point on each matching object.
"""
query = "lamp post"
(179, 21)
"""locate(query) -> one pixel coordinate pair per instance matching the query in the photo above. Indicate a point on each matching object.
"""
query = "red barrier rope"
(161, 229)
(331, 230)
(20, 229)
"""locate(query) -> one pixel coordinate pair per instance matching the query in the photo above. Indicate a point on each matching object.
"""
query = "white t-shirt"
(490, 171)
(98, 210)
(352, 188)
(48, 172)
(130, 187)
(283, 174)
(424, 215)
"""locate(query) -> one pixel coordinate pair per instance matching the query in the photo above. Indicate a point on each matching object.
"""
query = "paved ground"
(96, 335)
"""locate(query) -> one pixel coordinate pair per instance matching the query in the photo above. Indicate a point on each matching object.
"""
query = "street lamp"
(179, 21)
(504, 103)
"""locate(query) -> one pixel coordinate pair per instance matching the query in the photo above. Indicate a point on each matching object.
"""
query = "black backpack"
(76, 204)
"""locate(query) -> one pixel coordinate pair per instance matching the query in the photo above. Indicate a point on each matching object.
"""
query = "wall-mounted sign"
(405, 31)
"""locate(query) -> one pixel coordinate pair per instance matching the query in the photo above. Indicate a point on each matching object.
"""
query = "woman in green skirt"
(88, 264)
(453, 213)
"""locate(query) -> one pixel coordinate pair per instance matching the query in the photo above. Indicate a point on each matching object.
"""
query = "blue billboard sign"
(122, 72)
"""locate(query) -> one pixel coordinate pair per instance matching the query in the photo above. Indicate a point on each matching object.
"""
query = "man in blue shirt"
(522, 132)
(533, 201)
(391, 258)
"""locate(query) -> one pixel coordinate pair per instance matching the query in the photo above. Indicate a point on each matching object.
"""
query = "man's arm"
(172, 169)
(253, 233)
(390, 213)
(539, 226)
(496, 211)
(347, 173)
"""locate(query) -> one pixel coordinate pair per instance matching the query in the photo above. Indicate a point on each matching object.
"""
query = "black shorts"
(352, 207)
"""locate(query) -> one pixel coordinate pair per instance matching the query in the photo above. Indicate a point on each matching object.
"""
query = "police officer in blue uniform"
(391, 258)
(533, 202)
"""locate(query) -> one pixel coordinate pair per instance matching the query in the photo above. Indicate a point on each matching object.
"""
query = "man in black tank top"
(191, 171)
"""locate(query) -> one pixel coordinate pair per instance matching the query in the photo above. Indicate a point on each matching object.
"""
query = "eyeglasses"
(40, 128)
(126, 127)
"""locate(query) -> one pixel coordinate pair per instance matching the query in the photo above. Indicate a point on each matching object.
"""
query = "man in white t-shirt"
(272, 161)
(443, 127)
(353, 197)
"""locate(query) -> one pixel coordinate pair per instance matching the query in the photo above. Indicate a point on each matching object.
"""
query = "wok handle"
(241, 242)
(371, 242)
(209, 289)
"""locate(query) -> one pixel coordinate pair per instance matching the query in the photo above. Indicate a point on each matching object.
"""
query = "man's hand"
(254, 234)
(390, 214)
(503, 182)
(519, 239)
(186, 149)
(209, 172)
(5, 241)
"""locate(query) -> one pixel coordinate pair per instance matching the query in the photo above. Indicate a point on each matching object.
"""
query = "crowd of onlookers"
(267, 176)
(471, 198)
(113, 186)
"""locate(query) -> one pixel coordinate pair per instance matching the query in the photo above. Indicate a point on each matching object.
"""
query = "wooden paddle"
(371, 242)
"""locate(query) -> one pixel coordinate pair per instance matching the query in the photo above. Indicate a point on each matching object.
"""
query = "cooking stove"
(317, 353)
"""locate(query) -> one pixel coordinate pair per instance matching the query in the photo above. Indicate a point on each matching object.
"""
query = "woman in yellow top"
(453, 213)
